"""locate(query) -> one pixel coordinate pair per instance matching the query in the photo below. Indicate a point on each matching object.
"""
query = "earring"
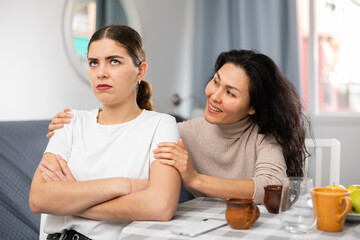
(139, 81)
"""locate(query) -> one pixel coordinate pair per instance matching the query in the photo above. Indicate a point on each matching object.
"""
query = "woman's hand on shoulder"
(58, 121)
(176, 155)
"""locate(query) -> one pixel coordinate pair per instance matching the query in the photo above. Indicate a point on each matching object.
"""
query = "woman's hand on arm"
(60, 195)
(158, 202)
(176, 155)
(58, 121)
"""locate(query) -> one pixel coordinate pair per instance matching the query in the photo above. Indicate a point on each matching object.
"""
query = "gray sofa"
(21, 147)
(22, 144)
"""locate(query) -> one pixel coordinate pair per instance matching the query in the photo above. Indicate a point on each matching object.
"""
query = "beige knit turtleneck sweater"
(234, 151)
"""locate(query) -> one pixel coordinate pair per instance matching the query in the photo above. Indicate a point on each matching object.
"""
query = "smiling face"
(227, 96)
(113, 75)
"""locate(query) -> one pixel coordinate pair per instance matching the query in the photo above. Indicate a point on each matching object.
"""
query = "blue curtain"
(267, 26)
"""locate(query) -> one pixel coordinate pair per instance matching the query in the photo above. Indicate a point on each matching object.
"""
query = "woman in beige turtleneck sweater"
(252, 133)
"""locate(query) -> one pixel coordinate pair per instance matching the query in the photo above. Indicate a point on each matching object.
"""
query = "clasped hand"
(176, 155)
(51, 173)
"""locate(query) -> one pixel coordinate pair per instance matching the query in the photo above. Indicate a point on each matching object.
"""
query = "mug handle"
(296, 197)
(255, 216)
(347, 208)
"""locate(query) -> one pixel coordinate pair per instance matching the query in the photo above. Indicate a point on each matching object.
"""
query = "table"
(266, 227)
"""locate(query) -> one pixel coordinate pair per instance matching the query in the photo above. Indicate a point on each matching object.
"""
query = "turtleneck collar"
(232, 130)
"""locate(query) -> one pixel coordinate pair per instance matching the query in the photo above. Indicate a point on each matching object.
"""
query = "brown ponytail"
(143, 98)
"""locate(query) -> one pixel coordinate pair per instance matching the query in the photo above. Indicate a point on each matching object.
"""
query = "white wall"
(37, 80)
(347, 131)
(167, 30)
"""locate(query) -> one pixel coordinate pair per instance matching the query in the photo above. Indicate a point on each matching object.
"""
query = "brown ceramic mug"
(241, 213)
(272, 198)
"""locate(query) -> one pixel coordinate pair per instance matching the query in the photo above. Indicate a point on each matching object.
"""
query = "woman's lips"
(214, 109)
(103, 87)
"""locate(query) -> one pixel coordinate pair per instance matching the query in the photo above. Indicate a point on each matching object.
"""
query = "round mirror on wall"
(81, 18)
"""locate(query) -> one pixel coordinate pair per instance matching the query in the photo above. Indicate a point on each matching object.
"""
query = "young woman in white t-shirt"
(98, 173)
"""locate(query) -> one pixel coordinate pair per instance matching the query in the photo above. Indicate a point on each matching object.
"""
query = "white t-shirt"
(95, 151)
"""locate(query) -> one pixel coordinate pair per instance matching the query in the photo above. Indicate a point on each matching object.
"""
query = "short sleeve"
(166, 131)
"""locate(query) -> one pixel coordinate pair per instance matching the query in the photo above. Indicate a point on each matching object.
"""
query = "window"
(329, 43)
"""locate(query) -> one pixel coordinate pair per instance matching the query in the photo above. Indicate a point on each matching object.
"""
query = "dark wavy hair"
(132, 42)
(278, 109)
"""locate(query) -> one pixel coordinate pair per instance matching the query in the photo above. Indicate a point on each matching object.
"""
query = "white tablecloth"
(267, 227)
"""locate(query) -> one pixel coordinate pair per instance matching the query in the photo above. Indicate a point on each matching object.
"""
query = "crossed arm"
(270, 168)
(176, 155)
(105, 199)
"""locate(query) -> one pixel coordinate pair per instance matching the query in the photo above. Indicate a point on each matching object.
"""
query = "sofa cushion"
(21, 148)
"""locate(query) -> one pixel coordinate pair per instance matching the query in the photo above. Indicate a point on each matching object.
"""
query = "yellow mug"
(331, 205)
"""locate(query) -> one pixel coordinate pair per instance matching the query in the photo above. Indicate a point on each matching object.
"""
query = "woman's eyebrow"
(226, 85)
(114, 56)
(107, 58)
(218, 75)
